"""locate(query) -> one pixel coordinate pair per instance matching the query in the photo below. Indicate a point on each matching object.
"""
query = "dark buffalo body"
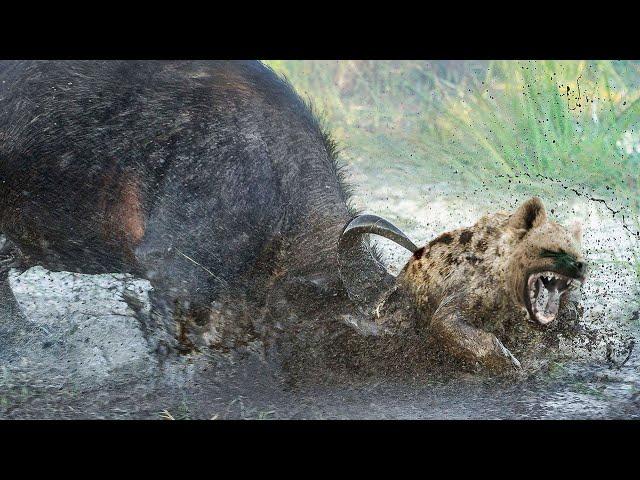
(197, 175)
(216, 182)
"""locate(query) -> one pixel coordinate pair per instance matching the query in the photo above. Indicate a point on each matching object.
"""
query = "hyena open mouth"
(544, 292)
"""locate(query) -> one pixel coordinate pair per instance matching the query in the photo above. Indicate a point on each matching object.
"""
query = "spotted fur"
(480, 273)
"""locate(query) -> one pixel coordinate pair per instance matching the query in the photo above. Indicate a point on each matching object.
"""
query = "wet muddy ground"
(77, 351)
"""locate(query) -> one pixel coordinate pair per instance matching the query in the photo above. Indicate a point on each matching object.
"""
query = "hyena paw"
(500, 358)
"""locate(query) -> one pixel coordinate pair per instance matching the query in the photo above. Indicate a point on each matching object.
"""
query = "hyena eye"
(552, 253)
(563, 261)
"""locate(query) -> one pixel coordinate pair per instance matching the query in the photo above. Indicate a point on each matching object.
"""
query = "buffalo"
(211, 179)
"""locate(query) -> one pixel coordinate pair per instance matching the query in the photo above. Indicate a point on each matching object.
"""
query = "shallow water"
(79, 352)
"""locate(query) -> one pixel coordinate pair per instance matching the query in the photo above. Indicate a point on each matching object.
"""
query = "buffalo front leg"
(8, 256)
(15, 330)
(469, 343)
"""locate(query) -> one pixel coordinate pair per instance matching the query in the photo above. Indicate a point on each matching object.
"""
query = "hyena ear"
(529, 215)
(576, 231)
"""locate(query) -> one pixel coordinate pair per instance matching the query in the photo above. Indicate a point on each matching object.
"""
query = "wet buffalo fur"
(216, 182)
(209, 178)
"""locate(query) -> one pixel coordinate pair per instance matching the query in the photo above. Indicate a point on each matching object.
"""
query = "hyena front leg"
(464, 341)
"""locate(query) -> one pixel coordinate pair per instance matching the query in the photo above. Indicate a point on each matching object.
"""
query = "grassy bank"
(547, 125)
(573, 120)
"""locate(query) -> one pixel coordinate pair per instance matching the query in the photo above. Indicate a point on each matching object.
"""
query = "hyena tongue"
(553, 303)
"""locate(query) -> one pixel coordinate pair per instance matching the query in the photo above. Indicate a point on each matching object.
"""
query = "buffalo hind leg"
(173, 324)
(159, 325)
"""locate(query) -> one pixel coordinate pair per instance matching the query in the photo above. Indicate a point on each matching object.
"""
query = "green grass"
(374, 109)
(501, 118)
(551, 125)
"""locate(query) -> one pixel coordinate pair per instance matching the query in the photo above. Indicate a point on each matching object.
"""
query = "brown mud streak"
(123, 214)
(418, 253)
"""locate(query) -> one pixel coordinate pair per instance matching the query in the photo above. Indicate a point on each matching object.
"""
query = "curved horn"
(362, 274)
(376, 225)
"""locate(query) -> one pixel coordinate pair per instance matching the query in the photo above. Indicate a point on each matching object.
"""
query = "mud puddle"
(78, 351)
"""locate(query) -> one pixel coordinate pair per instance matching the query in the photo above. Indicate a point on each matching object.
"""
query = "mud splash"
(77, 352)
